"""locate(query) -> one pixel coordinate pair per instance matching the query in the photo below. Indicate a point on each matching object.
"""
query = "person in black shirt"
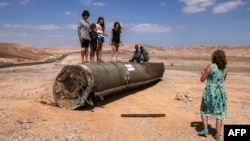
(93, 42)
(115, 40)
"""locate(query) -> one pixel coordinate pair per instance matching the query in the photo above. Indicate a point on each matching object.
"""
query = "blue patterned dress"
(214, 98)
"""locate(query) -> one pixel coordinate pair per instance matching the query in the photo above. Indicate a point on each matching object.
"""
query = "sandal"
(100, 60)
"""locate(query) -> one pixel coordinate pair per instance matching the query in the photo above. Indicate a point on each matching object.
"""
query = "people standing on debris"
(137, 55)
(115, 40)
(214, 98)
(94, 37)
(100, 26)
(144, 53)
(83, 35)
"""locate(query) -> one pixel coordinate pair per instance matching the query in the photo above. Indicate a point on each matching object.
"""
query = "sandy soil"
(28, 111)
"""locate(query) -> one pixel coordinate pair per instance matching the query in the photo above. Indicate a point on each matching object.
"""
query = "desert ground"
(28, 111)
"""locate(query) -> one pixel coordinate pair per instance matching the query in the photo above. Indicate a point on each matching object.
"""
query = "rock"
(183, 97)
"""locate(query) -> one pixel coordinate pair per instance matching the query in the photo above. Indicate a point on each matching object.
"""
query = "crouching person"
(144, 53)
(137, 55)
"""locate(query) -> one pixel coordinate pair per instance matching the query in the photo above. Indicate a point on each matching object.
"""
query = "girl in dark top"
(115, 40)
(93, 36)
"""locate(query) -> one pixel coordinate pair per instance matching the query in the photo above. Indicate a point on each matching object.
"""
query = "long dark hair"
(219, 58)
(102, 24)
(119, 28)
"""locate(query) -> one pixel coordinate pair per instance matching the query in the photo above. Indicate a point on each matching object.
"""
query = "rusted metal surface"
(76, 84)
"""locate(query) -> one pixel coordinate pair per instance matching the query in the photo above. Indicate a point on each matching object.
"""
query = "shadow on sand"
(116, 96)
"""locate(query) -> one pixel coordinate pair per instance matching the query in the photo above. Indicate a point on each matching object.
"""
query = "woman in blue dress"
(214, 98)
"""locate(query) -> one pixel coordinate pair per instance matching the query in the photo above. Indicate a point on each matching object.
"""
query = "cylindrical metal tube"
(76, 83)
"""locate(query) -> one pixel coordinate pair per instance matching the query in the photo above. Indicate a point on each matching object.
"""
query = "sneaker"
(203, 132)
(217, 137)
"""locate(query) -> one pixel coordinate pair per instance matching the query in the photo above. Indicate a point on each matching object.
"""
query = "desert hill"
(11, 50)
(204, 50)
(61, 49)
(22, 53)
(11, 53)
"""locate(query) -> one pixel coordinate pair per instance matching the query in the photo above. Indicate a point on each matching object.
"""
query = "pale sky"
(165, 23)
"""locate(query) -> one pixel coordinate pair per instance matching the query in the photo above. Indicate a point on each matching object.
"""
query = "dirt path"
(28, 110)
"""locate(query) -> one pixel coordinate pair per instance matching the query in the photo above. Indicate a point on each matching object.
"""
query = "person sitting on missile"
(144, 53)
(137, 55)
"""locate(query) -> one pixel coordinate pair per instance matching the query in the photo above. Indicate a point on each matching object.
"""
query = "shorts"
(115, 44)
(93, 48)
(85, 43)
(100, 40)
